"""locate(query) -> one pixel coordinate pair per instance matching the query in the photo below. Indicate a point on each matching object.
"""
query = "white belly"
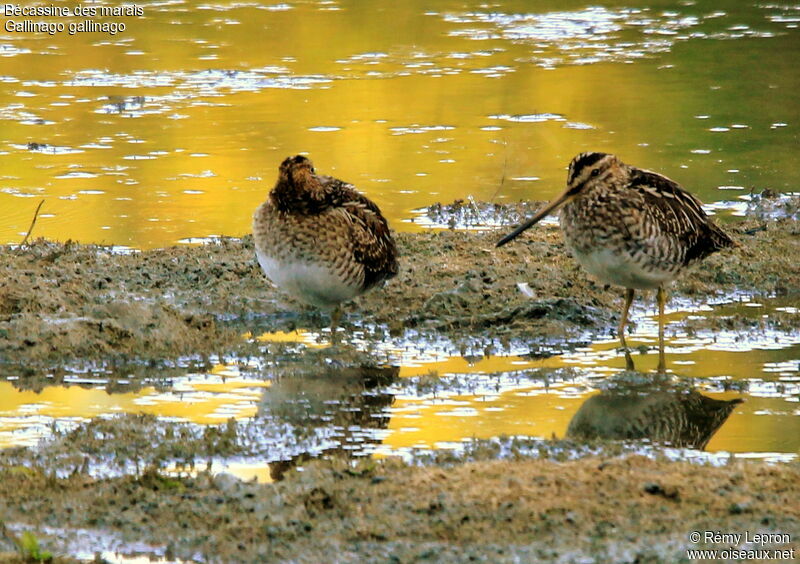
(309, 282)
(620, 270)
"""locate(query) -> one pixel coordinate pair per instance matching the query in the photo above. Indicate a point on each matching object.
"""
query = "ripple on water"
(78, 174)
(529, 118)
(17, 193)
(597, 34)
(8, 50)
(46, 149)
(186, 88)
(416, 129)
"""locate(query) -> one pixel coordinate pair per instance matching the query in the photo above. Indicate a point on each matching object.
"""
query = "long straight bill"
(535, 219)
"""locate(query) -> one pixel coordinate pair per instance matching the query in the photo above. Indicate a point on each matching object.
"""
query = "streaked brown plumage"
(630, 227)
(662, 412)
(320, 240)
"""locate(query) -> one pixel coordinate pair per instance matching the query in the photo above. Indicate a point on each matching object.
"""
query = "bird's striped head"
(590, 169)
(585, 171)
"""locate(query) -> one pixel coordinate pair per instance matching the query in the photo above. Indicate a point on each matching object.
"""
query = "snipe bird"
(631, 228)
(321, 241)
(661, 412)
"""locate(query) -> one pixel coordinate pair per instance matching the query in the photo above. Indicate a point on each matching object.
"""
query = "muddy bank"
(109, 482)
(605, 509)
(63, 303)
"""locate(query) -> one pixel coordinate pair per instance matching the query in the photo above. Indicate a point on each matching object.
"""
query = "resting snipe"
(632, 228)
(318, 239)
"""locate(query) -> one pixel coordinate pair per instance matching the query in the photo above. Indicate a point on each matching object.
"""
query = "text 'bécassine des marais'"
(78, 10)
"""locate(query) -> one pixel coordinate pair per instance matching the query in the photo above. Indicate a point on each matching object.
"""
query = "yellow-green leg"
(622, 323)
(661, 296)
(336, 315)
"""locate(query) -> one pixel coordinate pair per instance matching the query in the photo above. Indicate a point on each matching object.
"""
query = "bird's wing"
(679, 211)
(679, 214)
(373, 244)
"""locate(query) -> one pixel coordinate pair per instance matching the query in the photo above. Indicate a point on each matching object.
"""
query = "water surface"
(430, 396)
(173, 129)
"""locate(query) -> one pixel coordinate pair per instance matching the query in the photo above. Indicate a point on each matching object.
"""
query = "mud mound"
(66, 302)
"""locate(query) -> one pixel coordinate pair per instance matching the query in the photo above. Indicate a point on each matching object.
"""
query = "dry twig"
(33, 222)
(505, 166)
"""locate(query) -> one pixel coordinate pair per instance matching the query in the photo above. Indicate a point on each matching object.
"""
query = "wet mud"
(70, 304)
(604, 509)
(141, 481)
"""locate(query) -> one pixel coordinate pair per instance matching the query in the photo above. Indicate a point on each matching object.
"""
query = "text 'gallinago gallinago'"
(632, 228)
(320, 240)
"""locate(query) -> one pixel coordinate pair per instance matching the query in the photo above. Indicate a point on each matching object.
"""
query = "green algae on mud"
(68, 303)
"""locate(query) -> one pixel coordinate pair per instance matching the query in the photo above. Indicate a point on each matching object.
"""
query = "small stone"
(203, 481)
(738, 508)
(226, 482)
(652, 488)
(668, 492)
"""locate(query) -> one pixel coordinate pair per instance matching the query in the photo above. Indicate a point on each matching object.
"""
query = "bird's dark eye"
(595, 172)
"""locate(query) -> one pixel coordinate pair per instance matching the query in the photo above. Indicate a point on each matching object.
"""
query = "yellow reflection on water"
(249, 471)
(460, 365)
(299, 336)
(506, 405)
(759, 425)
(245, 471)
(203, 401)
(433, 423)
(174, 128)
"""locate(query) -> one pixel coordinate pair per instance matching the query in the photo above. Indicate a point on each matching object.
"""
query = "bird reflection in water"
(348, 400)
(636, 406)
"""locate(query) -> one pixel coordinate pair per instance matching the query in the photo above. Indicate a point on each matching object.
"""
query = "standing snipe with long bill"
(631, 228)
(321, 241)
